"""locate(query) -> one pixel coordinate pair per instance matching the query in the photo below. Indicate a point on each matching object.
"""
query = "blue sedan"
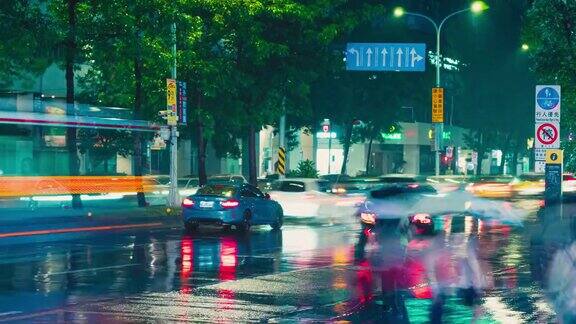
(239, 205)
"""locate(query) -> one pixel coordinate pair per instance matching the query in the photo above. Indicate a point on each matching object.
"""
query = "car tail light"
(229, 204)
(421, 218)
(187, 203)
(368, 217)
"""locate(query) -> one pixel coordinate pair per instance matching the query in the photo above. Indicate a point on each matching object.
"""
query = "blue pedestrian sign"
(548, 98)
(400, 57)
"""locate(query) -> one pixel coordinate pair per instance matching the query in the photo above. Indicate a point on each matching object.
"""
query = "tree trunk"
(481, 150)
(71, 134)
(201, 144)
(202, 177)
(504, 153)
(514, 164)
(347, 142)
(369, 155)
(252, 176)
(138, 159)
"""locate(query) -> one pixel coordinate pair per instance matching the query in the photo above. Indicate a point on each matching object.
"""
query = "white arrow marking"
(399, 52)
(355, 52)
(369, 54)
(406, 57)
(415, 56)
(384, 53)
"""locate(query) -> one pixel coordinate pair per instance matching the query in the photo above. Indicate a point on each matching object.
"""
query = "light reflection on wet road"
(300, 273)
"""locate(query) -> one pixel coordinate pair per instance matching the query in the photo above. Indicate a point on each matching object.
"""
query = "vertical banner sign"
(437, 105)
(171, 95)
(281, 161)
(182, 103)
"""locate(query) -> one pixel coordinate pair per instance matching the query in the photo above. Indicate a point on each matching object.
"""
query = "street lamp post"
(476, 7)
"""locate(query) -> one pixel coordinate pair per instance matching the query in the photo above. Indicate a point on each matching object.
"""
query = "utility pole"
(173, 196)
(475, 7)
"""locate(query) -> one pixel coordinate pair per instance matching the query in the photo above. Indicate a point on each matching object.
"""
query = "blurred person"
(561, 284)
(382, 251)
(389, 260)
(453, 263)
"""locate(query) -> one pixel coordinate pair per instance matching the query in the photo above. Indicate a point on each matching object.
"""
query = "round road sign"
(547, 133)
(548, 98)
(553, 156)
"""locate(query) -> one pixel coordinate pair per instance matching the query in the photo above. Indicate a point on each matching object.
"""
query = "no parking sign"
(547, 135)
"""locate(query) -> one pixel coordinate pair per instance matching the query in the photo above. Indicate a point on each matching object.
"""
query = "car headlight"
(368, 218)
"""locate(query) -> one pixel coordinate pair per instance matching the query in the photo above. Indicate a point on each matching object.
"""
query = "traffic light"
(326, 125)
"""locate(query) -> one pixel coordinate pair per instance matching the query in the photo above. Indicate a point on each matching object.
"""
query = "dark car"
(227, 179)
(239, 205)
(398, 206)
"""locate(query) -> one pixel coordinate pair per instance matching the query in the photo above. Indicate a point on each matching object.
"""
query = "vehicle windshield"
(289, 186)
(217, 190)
(531, 177)
(398, 180)
(394, 190)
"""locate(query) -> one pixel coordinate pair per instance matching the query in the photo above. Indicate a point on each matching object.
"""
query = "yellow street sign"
(281, 161)
(554, 156)
(171, 94)
(437, 105)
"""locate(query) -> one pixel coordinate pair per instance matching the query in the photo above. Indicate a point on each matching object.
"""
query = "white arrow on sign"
(369, 54)
(399, 52)
(384, 53)
(415, 57)
(355, 52)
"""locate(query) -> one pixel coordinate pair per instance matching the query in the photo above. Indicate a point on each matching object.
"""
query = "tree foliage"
(549, 31)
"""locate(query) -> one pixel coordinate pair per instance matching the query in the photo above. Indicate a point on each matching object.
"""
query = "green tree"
(136, 37)
(549, 32)
(26, 42)
(305, 169)
(101, 145)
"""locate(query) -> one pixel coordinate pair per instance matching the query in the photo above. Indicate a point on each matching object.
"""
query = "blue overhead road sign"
(401, 57)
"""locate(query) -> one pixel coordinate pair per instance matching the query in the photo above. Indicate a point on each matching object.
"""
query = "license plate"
(206, 204)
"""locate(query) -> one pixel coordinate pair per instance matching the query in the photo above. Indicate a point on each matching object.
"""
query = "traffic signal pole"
(173, 196)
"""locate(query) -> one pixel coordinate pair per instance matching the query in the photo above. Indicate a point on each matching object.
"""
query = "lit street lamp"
(475, 7)
(525, 47)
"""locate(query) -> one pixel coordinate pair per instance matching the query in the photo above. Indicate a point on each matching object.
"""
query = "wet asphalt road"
(305, 272)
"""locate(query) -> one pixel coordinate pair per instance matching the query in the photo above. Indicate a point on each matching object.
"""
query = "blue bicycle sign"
(548, 98)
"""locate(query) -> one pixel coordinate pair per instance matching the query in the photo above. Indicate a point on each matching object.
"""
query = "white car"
(301, 197)
(188, 186)
(304, 197)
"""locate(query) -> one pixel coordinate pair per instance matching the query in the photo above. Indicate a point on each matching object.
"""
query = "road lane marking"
(90, 269)
(77, 229)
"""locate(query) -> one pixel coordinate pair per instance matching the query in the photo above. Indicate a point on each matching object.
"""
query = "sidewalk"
(16, 224)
